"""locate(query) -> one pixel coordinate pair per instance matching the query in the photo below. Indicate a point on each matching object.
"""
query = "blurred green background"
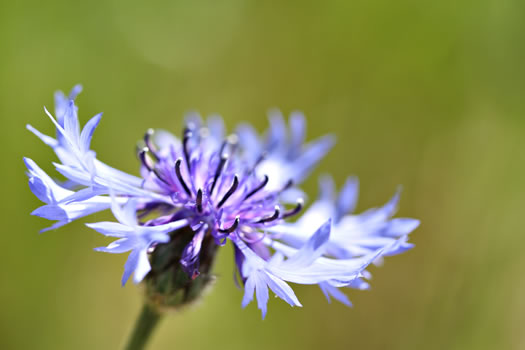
(426, 94)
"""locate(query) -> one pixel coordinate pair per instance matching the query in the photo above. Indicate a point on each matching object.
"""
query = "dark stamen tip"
(187, 134)
(258, 188)
(144, 159)
(149, 144)
(270, 218)
(288, 184)
(199, 201)
(294, 211)
(228, 194)
(218, 171)
(233, 227)
(223, 147)
(179, 176)
(185, 147)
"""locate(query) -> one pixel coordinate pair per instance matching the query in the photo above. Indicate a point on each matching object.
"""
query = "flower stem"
(149, 317)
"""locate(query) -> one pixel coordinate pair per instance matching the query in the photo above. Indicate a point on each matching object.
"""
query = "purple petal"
(190, 255)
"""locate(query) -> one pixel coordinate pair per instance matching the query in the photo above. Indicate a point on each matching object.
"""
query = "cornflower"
(207, 189)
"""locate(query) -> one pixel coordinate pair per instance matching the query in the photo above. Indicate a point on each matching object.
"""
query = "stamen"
(230, 191)
(262, 157)
(232, 227)
(186, 138)
(204, 132)
(294, 211)
(258, 188)
(257, 162)
(270, 218)
(274, 194)
(156, 172)
(145, 160)
(288, 184)
(199, 201)
(223, 147)
(218, 171)
(233, 141)
(179, 176)
(151, 249)
(149, 143)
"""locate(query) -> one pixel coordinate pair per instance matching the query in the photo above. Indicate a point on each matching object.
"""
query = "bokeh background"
(426, 94)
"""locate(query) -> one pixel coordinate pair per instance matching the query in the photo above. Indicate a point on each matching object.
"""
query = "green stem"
(144, 327)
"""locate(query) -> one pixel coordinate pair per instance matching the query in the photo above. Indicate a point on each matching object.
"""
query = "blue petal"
(193, 119)
(326, 188)
(347, 200)
(401, 226)
(386, 211)
(331, 291)
(112, 229)
(75, 174)
(46, 139)
(249, 290)
(125, 214)
(87, 132)
(277, 133)
(312, 249)
(62, 102)
(77, 89)
(249, 141)
(359, 283)
(143, 267)
(41, 190)
(297, 134)
(315, 151)
(82, 195)
(50, 212)
(216, 127)
(42, 185)
(282, 290)
(398, 247)
(117, 247)
(54, 226)
(130, 265)
(71, 124)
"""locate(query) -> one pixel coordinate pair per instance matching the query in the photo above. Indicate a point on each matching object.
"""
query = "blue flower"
(208, 189)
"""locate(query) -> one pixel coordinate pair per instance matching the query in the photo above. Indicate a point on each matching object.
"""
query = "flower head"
(207, 189)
